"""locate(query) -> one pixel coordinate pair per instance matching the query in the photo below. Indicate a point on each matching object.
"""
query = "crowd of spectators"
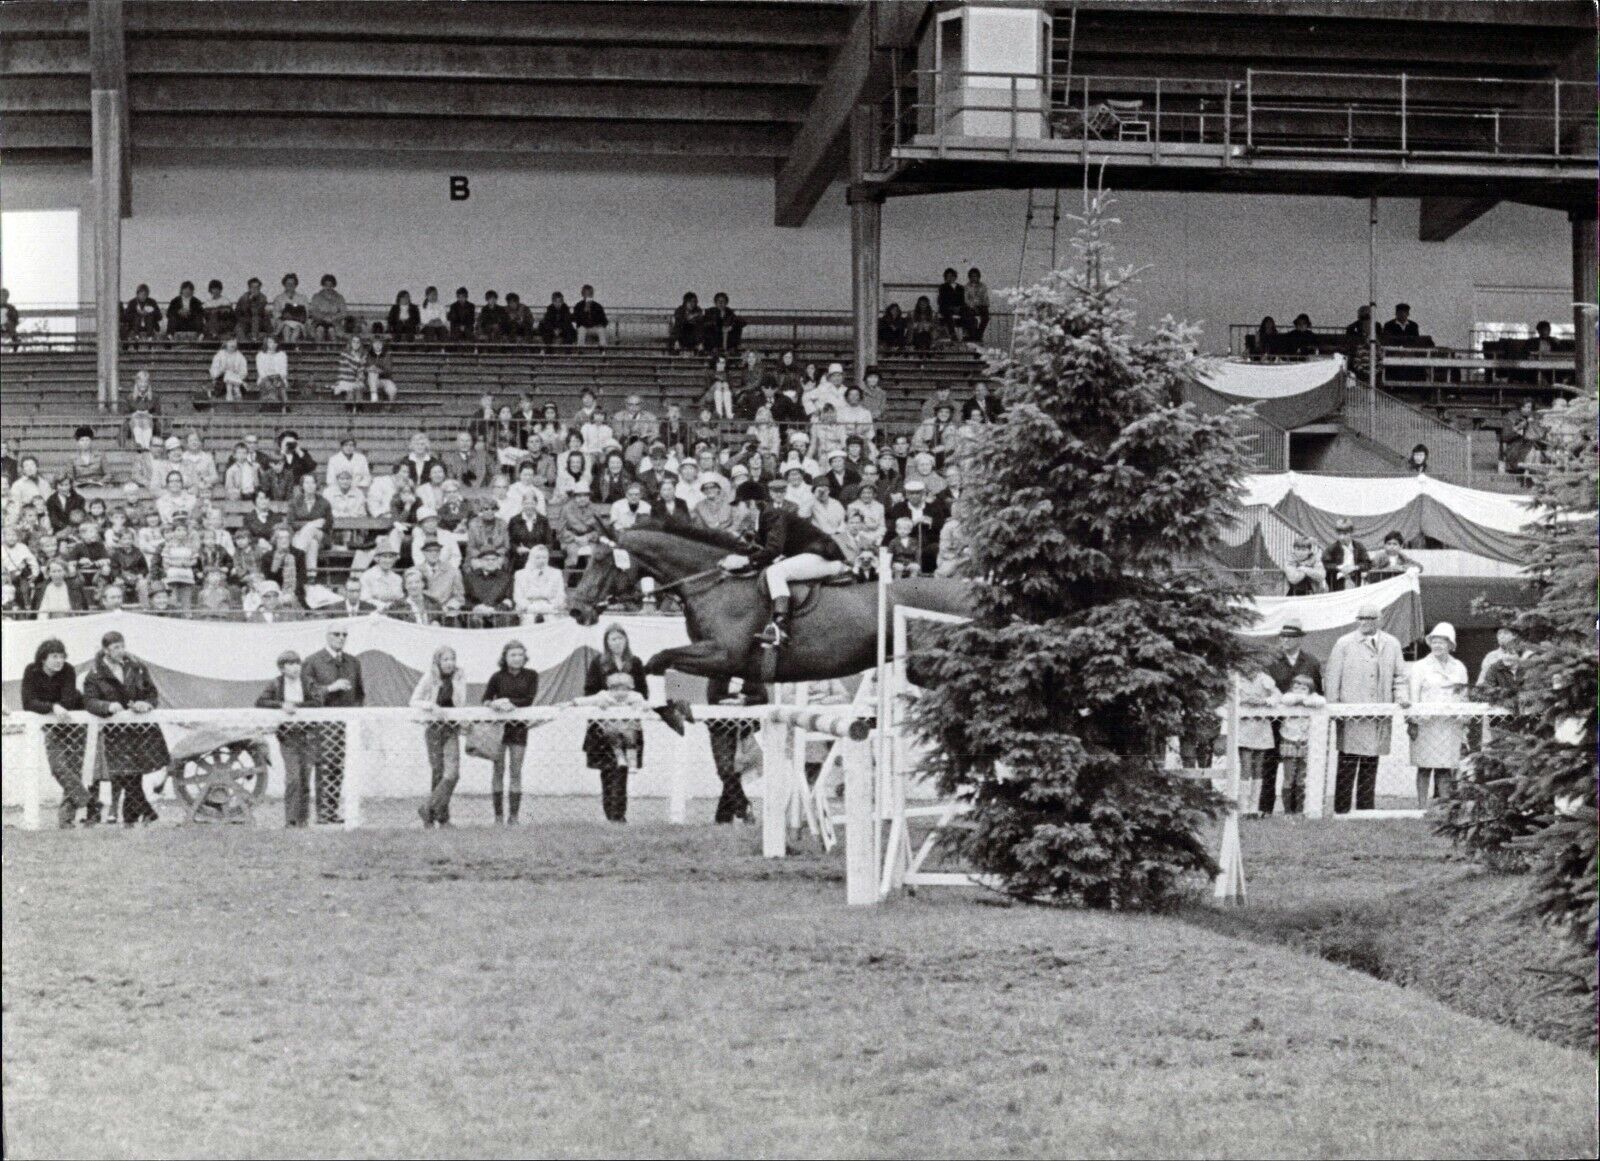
(491, 528)
(960, 315)
(1346, 563)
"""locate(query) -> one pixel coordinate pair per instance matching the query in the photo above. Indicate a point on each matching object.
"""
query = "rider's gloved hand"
(734, 562)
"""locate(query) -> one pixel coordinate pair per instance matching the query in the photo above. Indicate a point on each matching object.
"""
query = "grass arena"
(570, 988)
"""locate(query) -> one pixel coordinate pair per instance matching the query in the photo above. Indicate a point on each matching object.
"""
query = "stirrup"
(773, 636)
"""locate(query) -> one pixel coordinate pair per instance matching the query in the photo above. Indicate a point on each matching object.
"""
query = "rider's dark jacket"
(784, 532)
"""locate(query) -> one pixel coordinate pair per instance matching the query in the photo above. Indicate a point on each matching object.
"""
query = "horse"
(834, 631)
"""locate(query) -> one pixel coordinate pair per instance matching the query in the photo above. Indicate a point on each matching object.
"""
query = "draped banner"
(1485, 523)
(1326, 617)
(1287, 394)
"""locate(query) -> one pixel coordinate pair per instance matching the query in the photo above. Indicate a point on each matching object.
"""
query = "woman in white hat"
(1436, 743)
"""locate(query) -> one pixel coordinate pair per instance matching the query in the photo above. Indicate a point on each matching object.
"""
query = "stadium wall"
(646, 230)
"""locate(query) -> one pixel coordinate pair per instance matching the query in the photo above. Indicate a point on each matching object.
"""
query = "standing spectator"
(338, 676)
(141, 408)
(1258, 780)
(118, 682)
(462, 316)
(1305, 571)
(228, 372)
(9, 318)
(977, 304)
(539, 591)
(512, 686)
(433, 321)
(688, 326)
(1345, 561)
(379, 370)
(1401, 327)
(141, 318)
(292, 311)
(590, 319)
(492, 318)
(185, 316)
(50, 689)
(405, 320)
(218, 312)
(1291, 660)
(953, 314)
(1301, 341)
(726, 738)
(893, 330)
(1391, 560)
(272, 372)
(1498, 674)
(1437, 743)
(299, 742)
(329, 315)
(252, 313)
(616, 657)
(1294, 741)
(1365, 666)
(442, 688)
(557, 325)
(723, 328)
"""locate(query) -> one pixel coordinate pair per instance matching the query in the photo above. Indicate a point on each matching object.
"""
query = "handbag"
(486, 740)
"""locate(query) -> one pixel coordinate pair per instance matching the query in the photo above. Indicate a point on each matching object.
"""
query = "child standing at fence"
(616, 657)
(614, 746)
(1255, 740)
(1293, 741)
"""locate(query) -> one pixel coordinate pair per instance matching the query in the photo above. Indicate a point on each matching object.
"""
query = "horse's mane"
(695, 532)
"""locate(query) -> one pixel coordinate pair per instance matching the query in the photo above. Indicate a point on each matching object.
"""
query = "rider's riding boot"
(777, 632)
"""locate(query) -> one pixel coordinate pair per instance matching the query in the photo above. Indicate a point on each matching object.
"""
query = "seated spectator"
(285, 564)
(983, 401)
(490, 589)
(19, 568)
(723, 328)
(519, 319)
(214, 596)
(141, 318)
(242, 477)
(429, 529)
(922, 469)
(826, 511)
(893, 329)
(529, 527)
(873, 397)
(630, 509)
(589, 317)
(1266, 336)
(1358, 329)
(345, 500)
(1419, 459)
(63, 502)
(610, 482)
(923, 324)
(1401, 327)
(953, 550)
(597, 434)
(483, 422)
(841, 478)
(311, 517)
(379, 370)
(228, 372)
(272, 372)
(492, 318)
(199, 466)
(1390, 560)
(1300, 341)
(462, 316)
(826, 391)
(350, 459)
(905, 549)
(574, 475)
(273, 607)
(454, 510)
(352, 370)
(539, 591)
(719, 395)
(415, 605)
(855, 417)
(487, 530)
(405, 320)
(291, 312)
(88, 467)
(185, 316)
(180, 561)
(524, 488)
(278, 479)
(58, 593)
(827, 433)
(688, 326)
(1345, 561)
(634, 426)
(218, 312)
(330, 317)
(927, 516)
(938, 434)
(1305, 571)
(252, 313)
(441, 578)
(869, 508)
(381, 585)
(557, 325)
(28, 486)
(580, 529)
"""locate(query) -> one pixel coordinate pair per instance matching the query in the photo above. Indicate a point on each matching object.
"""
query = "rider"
(790, 548)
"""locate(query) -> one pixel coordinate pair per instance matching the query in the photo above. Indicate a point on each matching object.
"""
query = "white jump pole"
(34, 760)
(1229, 885)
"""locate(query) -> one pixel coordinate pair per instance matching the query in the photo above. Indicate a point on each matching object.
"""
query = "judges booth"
(984, 71)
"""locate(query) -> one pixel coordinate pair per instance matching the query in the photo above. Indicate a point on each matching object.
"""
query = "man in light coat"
(1365, 666)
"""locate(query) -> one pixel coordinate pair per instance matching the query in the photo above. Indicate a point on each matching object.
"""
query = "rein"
(692, 577)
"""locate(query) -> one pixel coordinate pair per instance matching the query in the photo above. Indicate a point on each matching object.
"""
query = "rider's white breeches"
(803, 566)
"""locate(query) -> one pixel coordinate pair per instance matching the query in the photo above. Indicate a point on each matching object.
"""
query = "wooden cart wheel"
(245, 764)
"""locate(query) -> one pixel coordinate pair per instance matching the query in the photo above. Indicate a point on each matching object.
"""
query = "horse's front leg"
(701, 659)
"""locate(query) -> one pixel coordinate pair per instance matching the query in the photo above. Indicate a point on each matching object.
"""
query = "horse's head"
(602, 581)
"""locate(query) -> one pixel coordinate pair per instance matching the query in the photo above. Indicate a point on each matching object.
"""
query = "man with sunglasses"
(336, 677)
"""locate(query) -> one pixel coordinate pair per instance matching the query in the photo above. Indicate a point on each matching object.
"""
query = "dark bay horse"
(834, 631)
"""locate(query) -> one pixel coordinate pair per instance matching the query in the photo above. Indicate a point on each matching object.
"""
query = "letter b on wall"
(459, 190)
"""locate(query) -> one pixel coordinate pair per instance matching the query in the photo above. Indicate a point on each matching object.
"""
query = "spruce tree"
(1094, 640)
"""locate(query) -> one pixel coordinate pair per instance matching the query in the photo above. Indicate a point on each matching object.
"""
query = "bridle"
(715, 571)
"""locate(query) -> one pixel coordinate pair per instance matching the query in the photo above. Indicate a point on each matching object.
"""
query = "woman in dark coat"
(513, 685)
(615, 657)
(50, 688)
(114, 683)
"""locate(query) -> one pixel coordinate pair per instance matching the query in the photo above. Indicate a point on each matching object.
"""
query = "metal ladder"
(1040, 240)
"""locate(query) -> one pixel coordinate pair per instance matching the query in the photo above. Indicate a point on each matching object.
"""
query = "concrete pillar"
(866, 232)
(105, 128)
(1584, 310)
